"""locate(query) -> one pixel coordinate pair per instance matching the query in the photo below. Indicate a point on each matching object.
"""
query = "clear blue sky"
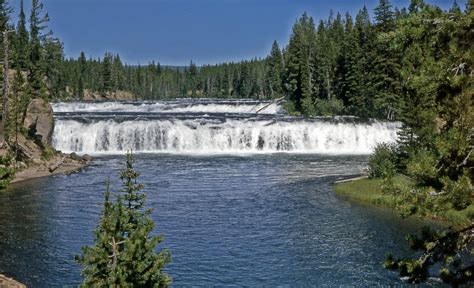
(175, 31)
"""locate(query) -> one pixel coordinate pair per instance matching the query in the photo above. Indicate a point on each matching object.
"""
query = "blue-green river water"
(262, 220)
(242, 192)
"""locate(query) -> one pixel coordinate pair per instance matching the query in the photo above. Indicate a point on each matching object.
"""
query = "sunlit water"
(240, 214)
(267, 220)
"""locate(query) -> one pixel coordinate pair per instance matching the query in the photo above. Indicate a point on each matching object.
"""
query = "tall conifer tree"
(274, 66)
(22, 41)
(124, 251)
(36, 62)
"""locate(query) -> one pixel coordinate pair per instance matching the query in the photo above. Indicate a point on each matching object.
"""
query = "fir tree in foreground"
(124, 252)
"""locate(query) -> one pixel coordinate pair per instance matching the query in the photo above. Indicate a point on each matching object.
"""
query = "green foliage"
(394, 192)
(37, 65)
(297, 62)
(450, 249)
(47, 153)
(22, 41)
(107, 73)
(322, 107)
(274, 67)
(382, 163)
(422, 167)
(459, 193)
(7, 173)
(124, 252)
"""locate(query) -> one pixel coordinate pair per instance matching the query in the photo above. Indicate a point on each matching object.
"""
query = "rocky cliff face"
(39, 121)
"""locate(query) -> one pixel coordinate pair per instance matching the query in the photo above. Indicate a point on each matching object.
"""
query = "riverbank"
(29, 152)
(367, 191)
(61, 164)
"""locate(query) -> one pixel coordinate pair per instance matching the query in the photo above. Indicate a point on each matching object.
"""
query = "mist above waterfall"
(212, 127)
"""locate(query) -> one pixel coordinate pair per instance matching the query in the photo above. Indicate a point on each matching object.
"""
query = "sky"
(174, 32)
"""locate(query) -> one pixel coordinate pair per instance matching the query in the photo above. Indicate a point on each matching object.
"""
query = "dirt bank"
(61, 164)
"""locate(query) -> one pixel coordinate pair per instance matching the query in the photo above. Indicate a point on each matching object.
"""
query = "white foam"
(170, 107)
(229, 137)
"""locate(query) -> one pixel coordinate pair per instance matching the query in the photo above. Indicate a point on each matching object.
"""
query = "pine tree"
(36, 62)
(191, 79)
(243, 86)
(107, 84)
(22, 41)
(124, 252)
(451, 250)
(5, 11)
(82, 76)
(118, 77)
(274, 67)
(18, 104)
(384, 71)
(359, 102)
(415, 6)
(52, 59)
(320, 64)
(384, 16)
(297, 65)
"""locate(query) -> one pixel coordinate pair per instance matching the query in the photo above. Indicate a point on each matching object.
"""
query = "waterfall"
(209, 127)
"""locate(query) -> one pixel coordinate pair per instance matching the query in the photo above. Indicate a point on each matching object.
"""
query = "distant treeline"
(245, 79)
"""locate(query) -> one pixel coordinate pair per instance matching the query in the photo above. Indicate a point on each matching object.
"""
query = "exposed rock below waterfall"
(39, 120)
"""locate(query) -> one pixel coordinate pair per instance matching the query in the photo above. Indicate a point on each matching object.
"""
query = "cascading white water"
(182, 106)
(208, 126)
(231, 136)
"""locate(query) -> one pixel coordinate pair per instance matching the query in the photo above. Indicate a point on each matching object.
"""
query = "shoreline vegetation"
(368, 191)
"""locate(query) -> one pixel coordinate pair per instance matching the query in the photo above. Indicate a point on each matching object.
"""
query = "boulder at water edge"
(39, 120)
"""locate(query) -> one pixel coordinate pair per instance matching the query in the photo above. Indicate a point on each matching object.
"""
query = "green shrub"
(6, 159)
(6, 175)
(290, 109)
(459, 193)
(383, 162)
(308, 107)
(47, 153)
(330, 107)
(422, 167)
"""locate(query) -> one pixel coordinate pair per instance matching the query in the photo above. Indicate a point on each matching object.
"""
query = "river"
(243, 198)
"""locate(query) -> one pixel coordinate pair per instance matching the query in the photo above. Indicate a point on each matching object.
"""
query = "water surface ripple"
(267, 220)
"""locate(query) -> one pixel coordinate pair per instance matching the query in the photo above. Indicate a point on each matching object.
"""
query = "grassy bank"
(367, 191)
